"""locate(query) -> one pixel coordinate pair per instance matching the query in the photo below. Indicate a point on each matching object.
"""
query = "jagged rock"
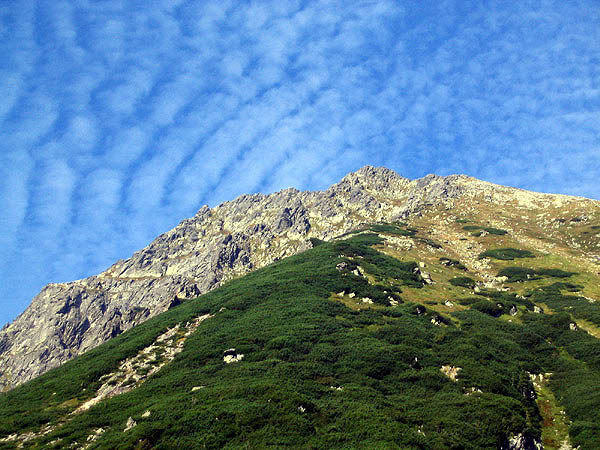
(573, 326)
(218, 244)
(522, 442)
(130, 424)
(94, 436)
(472, 391)
(232, 356)
(342, 266)
(513, 310)
(451, 371)
(424, 275)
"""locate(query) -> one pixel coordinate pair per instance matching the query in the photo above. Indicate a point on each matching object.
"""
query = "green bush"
(506, 254)
(467, 301)
(490, 230)
(316, 242)
(555, 273)
(466, 282)
(515, 274)
(429, 242)
(488, 308)
(497, 231)
(384, 268)
(452, 263)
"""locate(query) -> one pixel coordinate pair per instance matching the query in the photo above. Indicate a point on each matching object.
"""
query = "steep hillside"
(228, 241)
(381, 338)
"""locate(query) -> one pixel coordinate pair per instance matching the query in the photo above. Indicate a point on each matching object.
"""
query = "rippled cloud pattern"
(120, 118)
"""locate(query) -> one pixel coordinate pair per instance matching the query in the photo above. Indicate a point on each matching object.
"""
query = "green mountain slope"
(342, 346)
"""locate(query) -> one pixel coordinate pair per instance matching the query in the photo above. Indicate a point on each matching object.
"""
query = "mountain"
(201, 253)
(444, 312)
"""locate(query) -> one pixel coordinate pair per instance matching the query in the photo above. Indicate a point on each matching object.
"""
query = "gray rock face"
(522, 442)
(200, 254)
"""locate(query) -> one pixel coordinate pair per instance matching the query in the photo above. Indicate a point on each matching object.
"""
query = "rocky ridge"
(227, 241)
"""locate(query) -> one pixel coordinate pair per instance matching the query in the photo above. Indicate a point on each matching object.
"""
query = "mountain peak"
(253, 230)
(472, 323)
(370, 174)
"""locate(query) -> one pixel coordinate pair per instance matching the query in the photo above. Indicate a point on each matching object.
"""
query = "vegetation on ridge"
(526, 274)
(489, 230)
(466, 282)
(506, 253)
(317, 374)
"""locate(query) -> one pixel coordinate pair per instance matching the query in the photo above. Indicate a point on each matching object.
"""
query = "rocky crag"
(230, 240)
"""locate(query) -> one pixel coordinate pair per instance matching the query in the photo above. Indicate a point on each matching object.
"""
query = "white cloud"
(234, 63)
(52, 193)
(360, 126)
(123, 98)
(256, 15)
(63, 26)
(126, 146)
(81, 133)
(113, 111)
(15, 170)
(148, 185)
(173, 97)
(102, 189)
(11, 86)
(32, 119)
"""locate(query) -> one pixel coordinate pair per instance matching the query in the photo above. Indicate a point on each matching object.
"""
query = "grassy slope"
(300, 345)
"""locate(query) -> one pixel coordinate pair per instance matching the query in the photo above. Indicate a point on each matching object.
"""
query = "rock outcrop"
(522, 442)
(219, 244)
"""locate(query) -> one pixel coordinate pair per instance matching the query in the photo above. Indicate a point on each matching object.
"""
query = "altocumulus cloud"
(120, 118)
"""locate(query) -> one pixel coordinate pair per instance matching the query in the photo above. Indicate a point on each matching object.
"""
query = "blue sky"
(120, 118)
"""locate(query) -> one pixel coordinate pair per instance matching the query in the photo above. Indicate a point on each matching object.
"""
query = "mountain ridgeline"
(442, 313)
(202, 253)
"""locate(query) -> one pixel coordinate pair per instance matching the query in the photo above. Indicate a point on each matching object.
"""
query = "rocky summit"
(383, 312)
(228, 241)
(198, 255)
